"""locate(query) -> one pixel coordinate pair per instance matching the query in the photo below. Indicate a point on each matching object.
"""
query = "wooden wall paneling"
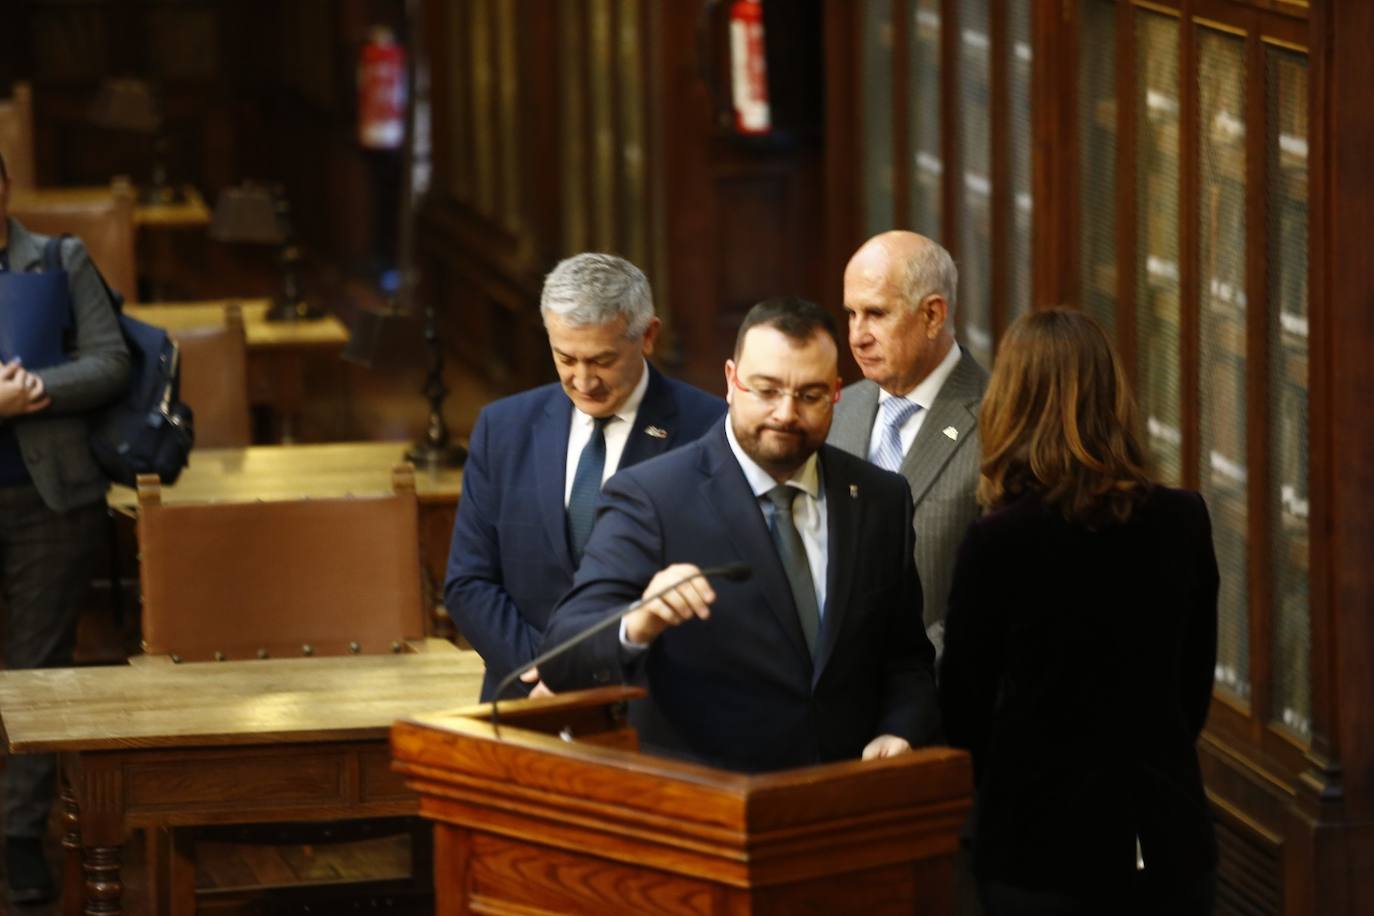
(1348, 277)
(842, 139)
(999, 112)
(1056, 155)
(574, 134)
(902, 165)
(951, 212)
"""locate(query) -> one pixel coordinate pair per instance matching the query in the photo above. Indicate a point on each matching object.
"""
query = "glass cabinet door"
(878, 175)
(1157, 275)
(1222, 469)
(927, 166)
(1286, 152)
(1097, 112)
(975, 189)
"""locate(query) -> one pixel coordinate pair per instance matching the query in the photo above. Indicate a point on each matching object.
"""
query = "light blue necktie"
(895, 413)
(586, 487)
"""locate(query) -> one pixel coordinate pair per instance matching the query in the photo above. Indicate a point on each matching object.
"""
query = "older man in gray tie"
(916, 411)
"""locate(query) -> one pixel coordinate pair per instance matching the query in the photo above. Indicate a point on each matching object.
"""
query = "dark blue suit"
(740, 689)
(509, 561)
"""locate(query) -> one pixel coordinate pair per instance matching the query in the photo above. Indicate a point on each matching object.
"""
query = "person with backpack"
(52, 492)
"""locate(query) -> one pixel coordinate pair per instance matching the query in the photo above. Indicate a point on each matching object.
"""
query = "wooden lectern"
(560, 814)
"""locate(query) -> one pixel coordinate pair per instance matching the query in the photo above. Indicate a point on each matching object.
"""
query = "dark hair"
(4, 172)
(800, 319)
(1058, 419)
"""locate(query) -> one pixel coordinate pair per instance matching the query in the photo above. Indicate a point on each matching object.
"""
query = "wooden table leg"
(97, 783)
(104, 890)
(73, 888)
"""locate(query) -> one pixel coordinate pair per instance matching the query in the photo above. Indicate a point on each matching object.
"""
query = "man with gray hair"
(536, 460)
(916, 412)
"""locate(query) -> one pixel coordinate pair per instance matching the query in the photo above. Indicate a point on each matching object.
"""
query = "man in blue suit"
(537, 460)
(822, 654)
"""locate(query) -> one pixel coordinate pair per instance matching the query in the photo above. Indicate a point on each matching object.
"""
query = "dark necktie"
(794, 562)
(586, 487)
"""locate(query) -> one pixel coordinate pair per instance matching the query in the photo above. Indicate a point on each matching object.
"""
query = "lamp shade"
(126, 104)
(248, 213)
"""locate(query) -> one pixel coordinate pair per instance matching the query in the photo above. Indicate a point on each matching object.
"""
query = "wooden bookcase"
(1194, 173)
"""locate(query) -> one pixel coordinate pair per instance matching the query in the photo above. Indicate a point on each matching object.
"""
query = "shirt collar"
(928, 388)
(806, 478)
(628, 409)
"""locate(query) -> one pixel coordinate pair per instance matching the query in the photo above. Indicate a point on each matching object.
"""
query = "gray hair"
(930, 270)
(592, 288)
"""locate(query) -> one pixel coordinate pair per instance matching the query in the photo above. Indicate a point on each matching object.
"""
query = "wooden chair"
(214, 370)
(103, 218)
(276, 579)
(16, 137)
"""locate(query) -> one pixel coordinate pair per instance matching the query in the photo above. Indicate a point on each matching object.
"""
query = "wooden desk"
(334, 469)
(277, 350)
(160, 745)
(188, 213)
(296, 472)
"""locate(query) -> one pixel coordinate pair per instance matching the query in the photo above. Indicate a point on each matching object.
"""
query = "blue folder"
(34, 315)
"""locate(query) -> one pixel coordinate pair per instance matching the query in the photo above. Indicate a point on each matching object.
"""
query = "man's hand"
(21, 392)
(692, 599)
(540, 688)
(886, 746)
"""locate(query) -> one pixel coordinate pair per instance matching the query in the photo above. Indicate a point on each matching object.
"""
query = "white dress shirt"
(808, 509)
(923, 394)
(617, 433)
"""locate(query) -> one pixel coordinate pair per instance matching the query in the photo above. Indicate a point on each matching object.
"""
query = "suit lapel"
(844, 513)
(727, 492)
(550, 440)
(854, 417)
(657, 411)
(951, 421)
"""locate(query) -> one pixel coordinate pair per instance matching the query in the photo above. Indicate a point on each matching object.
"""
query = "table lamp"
(384, 339)
(256, 214)
(131, 106)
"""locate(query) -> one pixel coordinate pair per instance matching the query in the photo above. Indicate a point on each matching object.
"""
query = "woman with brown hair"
(1080, 644)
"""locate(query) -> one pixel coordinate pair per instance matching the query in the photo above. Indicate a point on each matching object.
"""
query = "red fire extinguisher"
(748, 68)
(381, 91)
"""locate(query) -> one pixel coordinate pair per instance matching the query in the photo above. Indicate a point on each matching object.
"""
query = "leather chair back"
(103, 219)
(16, 137)
(214, 379)
(281, 578)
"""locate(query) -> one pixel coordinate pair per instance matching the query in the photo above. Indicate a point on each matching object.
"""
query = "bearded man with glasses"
(821, 655)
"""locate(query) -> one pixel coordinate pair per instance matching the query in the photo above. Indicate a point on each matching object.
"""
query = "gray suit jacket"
(54, 441)
(942, 471)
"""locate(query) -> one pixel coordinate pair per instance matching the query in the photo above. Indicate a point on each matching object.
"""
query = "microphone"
(733, 572)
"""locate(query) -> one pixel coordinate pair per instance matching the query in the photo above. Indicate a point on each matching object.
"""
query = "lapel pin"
(853, 491)
(952, 433)
(657, 432)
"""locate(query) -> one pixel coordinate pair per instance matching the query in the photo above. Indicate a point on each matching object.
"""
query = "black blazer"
(509, 561)
(1078, 670)
(740, 690)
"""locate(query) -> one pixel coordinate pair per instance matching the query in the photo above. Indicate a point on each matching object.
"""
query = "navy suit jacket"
(509, 561)
(740, 689)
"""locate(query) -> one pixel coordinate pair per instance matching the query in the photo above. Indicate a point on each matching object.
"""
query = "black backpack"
(148, 429)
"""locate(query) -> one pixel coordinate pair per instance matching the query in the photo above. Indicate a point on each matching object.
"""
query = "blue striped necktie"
(895, 413)
(586, 487)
